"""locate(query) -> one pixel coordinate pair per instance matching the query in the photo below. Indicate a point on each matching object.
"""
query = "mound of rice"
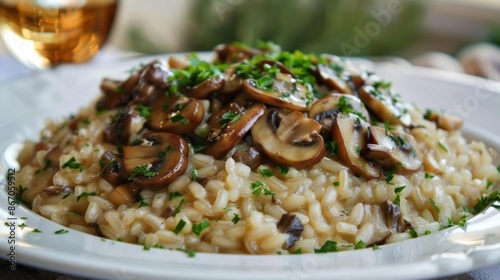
(220, 205)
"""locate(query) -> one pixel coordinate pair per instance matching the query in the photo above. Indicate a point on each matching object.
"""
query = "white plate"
(25, 104)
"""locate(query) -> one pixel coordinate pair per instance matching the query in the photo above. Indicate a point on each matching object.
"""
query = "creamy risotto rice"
(259, 152)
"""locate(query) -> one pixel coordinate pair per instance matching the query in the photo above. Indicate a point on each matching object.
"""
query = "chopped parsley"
(66, 195)
(85, 194)
(195, 174)
(412, 233)
(429, 176)
(382, 84)
(165, 152)
(235, 219)
(19, 195)
(442, 147)
(427, 232)
(258, 188)
(228, 118)
(488, 183)
(190, 253)
(283, 170)
(197, 229)
(266, 173)
(398, 190)
(173, 195)
(389, 174)
(179, 206)
(61, 231)
(85, 122)
(72, 164)
(486, 201)
(180, 225)
(37, 230)
(143, 170)
(141, 201)
(329, 246)
(336, 183)
(346, 107)
(144, 111)
(179, 118)
(375, 247)
(264, 83)
(360, 245)
(146, 247)
(433, 203)
(297, 252)
(21, 226)
(331, 147)
(106, 166)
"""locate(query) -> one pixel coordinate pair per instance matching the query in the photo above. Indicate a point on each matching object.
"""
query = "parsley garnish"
(197, 229)
(360, 245)
(173, 195)
(85, 194)
(141, 201)
(429, 176)
(264, 83)
(229, 118)
(37, 230)
(258, 188)
(434, 205)
(72, 164)
(146, 247)
(486, 201)
(389, 174)
(397, 200)
(106, 166)
(190, 253)
(331, 147)
(297, 252)
(143, 170)
(266, 173)
(19, 195)
(179, 118)
(61, 231)
(21, 226)
(329, 246)
(179, 226)
(412, 233)
(195, 174)
(165, 152)
(179, 206)
(375, 247)
(66, 195)
(442, 147)
(236, 218)
(144, 111)
(283, 170)
(336, 184)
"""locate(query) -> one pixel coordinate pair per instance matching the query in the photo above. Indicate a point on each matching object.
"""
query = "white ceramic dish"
(25, 104)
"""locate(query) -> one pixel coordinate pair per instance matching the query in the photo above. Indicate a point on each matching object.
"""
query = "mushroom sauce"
(260, 151)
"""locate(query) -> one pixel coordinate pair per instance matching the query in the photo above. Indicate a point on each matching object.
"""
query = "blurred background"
(445, 34)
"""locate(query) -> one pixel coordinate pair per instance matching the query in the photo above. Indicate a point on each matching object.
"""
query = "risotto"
(259, 151)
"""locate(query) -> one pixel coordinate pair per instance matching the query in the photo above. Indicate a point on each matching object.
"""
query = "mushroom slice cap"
(283, 91)
(351, 136)
(229, 125)
(233, 83)
(176, 114)
(154, 165)
(289, 138)
(205, 88)
(128, 122)
(392, 149)
(332, 80)
(385, 104)
(231, 53)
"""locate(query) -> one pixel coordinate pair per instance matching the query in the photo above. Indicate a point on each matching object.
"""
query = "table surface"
(10, 69)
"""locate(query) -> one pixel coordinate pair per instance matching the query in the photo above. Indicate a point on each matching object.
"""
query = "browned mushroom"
(289, 138)
(158, 161)
(332, 80)
(126, 123)
(229, 125)
(326, 108)
(386, 104)
(282, 91)
(291, 225)
(268, 63)
(233, 83)
(113, 95)
(112, 169)
(351, 135)
(205, 88)
(444, 121)
(153, 80)
(392, 150)
(251, 157)
(120, 195)
(176, 114)
(231, 53)
(179, 62)
(393, 217)
(57, 190)
(52, 156)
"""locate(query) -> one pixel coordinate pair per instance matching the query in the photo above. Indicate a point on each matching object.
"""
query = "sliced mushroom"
(291, 225)
(283, 91)
(268, 63)
(229, 125)
(392, 150)
(233, 83)
(153, 80)
(444, 121)
(289, 138)
(57, 190)
(112, 169)
(374, 215)
(176, 114)
(113, 95)
(386, 104)
(251, 157)
(332, 80)
(351, 135)
(126, 123)
(52, 156)
(325, 109)
(120, 195)
(231, 53)
(205, 88)
(178, 62)
(393, 217)
(158, 161)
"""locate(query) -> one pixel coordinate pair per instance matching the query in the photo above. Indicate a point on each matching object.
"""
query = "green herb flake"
(37, 230)
(106, 166)
(85, 194)
(486, 201)
(22, 226)
(143, 170)
(229, 118)
(179, 206)
(442, 147)
(143, 204)
(283, 170)
(146, 247)
(72, 164)
(85, 122)
(389, 174)
(144, 111)
(266, 173)
(179, 118)
(195, 174)
(297, 252)
(236, 219)
(329, 246)
(165, 152)
(265, 83)
(375, 247)
(66, 195)
(399, 189)
(24, 218)
(360, 245)
(180, 225)
(336, 183)
(197, 229)
(331, 147)
(427, 232)
(488, 183)
(19, 195)
(190, 253)
(173, 195)
(433, 203)
(412, 233)
(61, 231)
(258, 188)
(429, 176)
